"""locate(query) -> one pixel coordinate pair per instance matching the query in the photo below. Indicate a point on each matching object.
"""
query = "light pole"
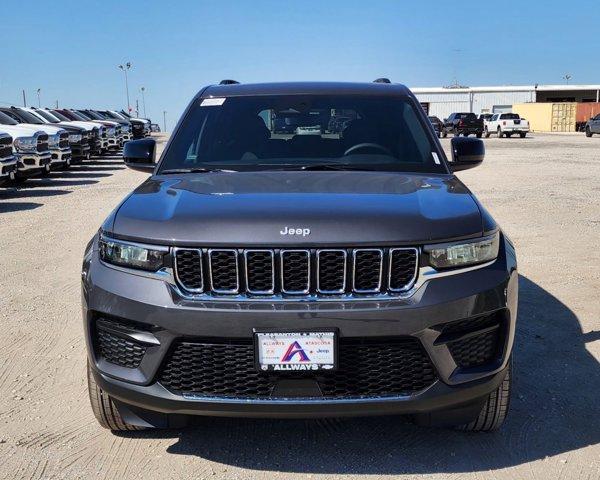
(143, 89)
(567, 77)
(38, 94)
(164, 120)
(126, 67)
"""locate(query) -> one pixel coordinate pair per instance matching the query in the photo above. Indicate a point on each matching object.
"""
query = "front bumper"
(492, 289)
(30, 163)
(60, 157)
(8, 168)
(80, 151)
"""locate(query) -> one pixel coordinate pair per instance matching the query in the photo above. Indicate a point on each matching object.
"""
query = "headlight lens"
(25, 144)
(131, 255)
(465, 253)
(53, 140)
(74, 137)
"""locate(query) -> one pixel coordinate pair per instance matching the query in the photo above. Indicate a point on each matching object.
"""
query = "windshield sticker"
(436, 159)
(212, 102)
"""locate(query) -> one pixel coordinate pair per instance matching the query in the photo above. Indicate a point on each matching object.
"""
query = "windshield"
(61, 117)
(6, 120)
(28, 117)
(80, 116)
(48, 116)
(295, 131)
(90, 114)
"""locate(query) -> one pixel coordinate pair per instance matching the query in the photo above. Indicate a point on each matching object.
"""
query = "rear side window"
(265, 132)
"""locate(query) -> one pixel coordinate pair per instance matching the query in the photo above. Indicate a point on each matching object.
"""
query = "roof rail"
(382, 80)
(228, 82)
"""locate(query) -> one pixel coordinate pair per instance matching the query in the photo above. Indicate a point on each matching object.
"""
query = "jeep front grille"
(295, 272)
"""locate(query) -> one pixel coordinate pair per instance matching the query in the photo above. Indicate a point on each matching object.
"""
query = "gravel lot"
(544, 190)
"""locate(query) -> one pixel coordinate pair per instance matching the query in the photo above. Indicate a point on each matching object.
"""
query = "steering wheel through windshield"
(364, 146)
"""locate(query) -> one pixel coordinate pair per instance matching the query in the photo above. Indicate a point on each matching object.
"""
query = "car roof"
(308, 88)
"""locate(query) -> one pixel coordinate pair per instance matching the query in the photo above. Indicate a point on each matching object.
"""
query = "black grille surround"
(475, 342)
(295, 272)
(116, 348)
(63, 140)
(367, 368)
(6, 150)
(42, 143)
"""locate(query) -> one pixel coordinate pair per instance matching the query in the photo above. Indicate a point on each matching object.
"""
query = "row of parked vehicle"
(35, 141)
(487, 124)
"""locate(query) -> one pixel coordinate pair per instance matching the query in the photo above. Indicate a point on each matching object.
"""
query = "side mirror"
(140, 154)
(466, 153)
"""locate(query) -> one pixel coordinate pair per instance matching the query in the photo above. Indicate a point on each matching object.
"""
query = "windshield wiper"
(326, 166)
(194, 170)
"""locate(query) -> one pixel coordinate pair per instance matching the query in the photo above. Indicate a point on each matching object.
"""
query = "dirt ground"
(544, 191)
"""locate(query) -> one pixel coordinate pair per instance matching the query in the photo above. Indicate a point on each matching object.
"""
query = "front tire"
(444, 133)
(487, 133)
(588, 132)
(105, 409)
(500, 134)
(495, 410)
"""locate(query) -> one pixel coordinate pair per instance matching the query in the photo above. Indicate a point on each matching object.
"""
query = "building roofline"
(505, 88)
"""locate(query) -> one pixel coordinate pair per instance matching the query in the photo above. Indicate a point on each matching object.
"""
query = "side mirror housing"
(140, 154)
(466, 153)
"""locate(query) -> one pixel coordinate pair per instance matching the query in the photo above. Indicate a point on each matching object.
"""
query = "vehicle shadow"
(32, 183)
(6, 207)
(554, 410)
(38, 192)
(79, 173)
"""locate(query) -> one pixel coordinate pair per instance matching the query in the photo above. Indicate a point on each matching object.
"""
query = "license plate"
(296, 351)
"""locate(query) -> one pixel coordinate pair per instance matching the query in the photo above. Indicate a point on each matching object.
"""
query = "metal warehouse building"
(442, 101)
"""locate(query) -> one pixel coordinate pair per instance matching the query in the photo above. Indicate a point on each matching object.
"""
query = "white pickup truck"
(505, 124)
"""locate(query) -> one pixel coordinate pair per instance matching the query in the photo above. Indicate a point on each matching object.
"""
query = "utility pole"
(126, 67)
(137, 107)
(24, 99)
(38, 94)
(143, 89)
(164, 120)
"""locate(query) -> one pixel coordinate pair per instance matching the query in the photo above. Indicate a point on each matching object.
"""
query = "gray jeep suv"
(264, 274)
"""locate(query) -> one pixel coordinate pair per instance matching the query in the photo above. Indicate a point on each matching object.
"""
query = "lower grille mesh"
(366, 369)
(118, 350)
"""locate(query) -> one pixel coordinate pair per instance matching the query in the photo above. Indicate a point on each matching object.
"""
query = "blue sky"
(71, 49)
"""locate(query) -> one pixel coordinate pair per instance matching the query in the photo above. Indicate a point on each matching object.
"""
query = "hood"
(46, 128)
(339, 208)
(87, 126)
(22, 130)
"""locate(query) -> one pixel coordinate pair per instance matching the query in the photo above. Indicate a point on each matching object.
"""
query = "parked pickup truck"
(592, 126)
(8, 162)
(505, 124)
(57, 138)
(462, 124)
(30, 147)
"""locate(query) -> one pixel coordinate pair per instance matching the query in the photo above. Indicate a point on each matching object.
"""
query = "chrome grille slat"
(260, 271)
(185, 260)
(227, 278)
(329, 261)
(295, 278)
(269, 272)
(366, 275)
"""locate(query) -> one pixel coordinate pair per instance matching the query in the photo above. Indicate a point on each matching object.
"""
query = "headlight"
(25, 144)
(53, 140)
(132, 255)
(464, 253)
(74, 138)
